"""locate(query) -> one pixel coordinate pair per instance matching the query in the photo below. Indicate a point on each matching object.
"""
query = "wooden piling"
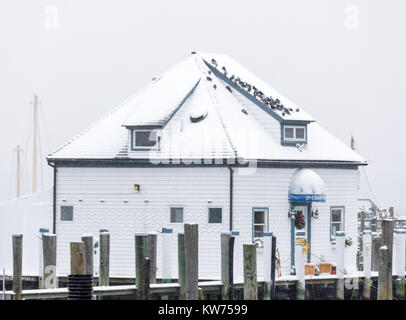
(77, 258)
(147, 272)
(17, 265)
(167, 249)
(88, 242)
(49, 261)
(385, 276)
(340, 264)
(226, 265)
(192, 261)
(181, 266)
(367, 256)
(104, 266)
(151, 254)
(250, 272)
(400, 264)
(273, 268)
(267, 265)
(387, 240)
(141, 248)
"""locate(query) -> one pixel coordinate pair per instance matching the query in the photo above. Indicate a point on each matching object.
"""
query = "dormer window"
(145, 139)
(294, 134)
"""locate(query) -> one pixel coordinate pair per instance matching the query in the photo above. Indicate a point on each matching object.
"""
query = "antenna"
(34, 148)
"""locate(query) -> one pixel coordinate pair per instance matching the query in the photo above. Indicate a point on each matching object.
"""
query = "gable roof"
(200, 85)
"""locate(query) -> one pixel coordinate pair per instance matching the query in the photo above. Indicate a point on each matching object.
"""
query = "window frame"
(295, 138)
(342, 222)
(183, 214)
(144, 148)
(266, 218)
(208, 215)
(60, 212)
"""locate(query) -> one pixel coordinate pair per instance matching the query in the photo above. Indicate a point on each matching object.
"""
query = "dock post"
(17, 265)
(267, 265)
(387, 240)
(79, 283)
(250, 272)
(340, 264)
(41, 258)
(141, 248)
(385, 276)
(192, 261)
(400, 263)
(151, 254)
(181, 266)
(367, 256)
(88, 243)
(237, 272)
(300, 257)
(167, 249)
(226, 265)
(104, 266)
(147, 275)
(49, 261)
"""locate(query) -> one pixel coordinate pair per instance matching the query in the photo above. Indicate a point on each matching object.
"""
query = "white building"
(208, 143)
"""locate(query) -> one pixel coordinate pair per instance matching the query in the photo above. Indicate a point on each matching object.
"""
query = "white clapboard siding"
(192, 188)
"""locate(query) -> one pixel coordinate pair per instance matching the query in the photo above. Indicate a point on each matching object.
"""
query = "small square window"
(176, 215)
(145, 138)
(66, 213)
(300, 133)
(259, 217)
(289, 133)
(215, 215)
(337, 221)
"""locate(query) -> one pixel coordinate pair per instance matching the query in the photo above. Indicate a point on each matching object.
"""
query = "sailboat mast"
(18, 171)
(34, 152)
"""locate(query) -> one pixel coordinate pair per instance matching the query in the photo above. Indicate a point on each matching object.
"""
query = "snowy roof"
(201, 113)
(306, 181)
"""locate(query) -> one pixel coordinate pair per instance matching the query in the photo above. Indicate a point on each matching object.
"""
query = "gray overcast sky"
(84, 57)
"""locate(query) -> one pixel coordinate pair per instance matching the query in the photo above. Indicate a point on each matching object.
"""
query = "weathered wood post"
(250, 272)
(374, 224)
(192, 261)
(385, 276)
(267, 265)
(17, 265)
(79, 283)
(399, 267)
(367, 256)
(141, 248)
(147, 272)
(104, 266)
(273, 268)
(41, 258)
(227, 265)
(49, 261)
(181, 266)
(340, 264)
(87, 240)
(167, 248)
(300, 257)
(151, 254)
(387, 240)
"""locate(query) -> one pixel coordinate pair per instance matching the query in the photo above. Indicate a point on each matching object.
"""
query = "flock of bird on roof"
(270, 102)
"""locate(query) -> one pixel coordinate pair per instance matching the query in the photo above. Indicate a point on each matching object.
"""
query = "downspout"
(231, 197)
(54, 201)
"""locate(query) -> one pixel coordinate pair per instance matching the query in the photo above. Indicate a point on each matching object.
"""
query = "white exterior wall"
(191, 188)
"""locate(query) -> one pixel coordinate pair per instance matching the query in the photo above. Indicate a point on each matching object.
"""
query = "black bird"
(283, 114)
(224, 69)
(297, 110)
(209, 72)
(244, 111)
(228, 88)
(208, 78)
(214, 62)
(232, 77)
(214, 86)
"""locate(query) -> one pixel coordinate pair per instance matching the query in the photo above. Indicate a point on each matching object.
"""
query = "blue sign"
(307, 198)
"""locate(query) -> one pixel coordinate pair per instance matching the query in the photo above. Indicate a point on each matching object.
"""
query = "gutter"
(54, 200)
(231, 197)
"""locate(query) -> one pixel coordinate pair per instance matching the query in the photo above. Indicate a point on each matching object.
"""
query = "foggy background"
(342, 61)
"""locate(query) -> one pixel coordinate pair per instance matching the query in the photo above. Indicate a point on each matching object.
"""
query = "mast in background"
(34, 150)
(18, 191)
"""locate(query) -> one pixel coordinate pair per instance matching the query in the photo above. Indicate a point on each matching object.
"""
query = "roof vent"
(198, 115)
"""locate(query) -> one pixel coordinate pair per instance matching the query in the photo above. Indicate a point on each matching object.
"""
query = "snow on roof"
(192, 87)
(306, 181)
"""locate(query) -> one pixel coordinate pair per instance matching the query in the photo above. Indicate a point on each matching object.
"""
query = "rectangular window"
(336, 221)
(66, 213)
(215, 215)
(294, 133)
(260, 225)
(176, 215)
(145, 139)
